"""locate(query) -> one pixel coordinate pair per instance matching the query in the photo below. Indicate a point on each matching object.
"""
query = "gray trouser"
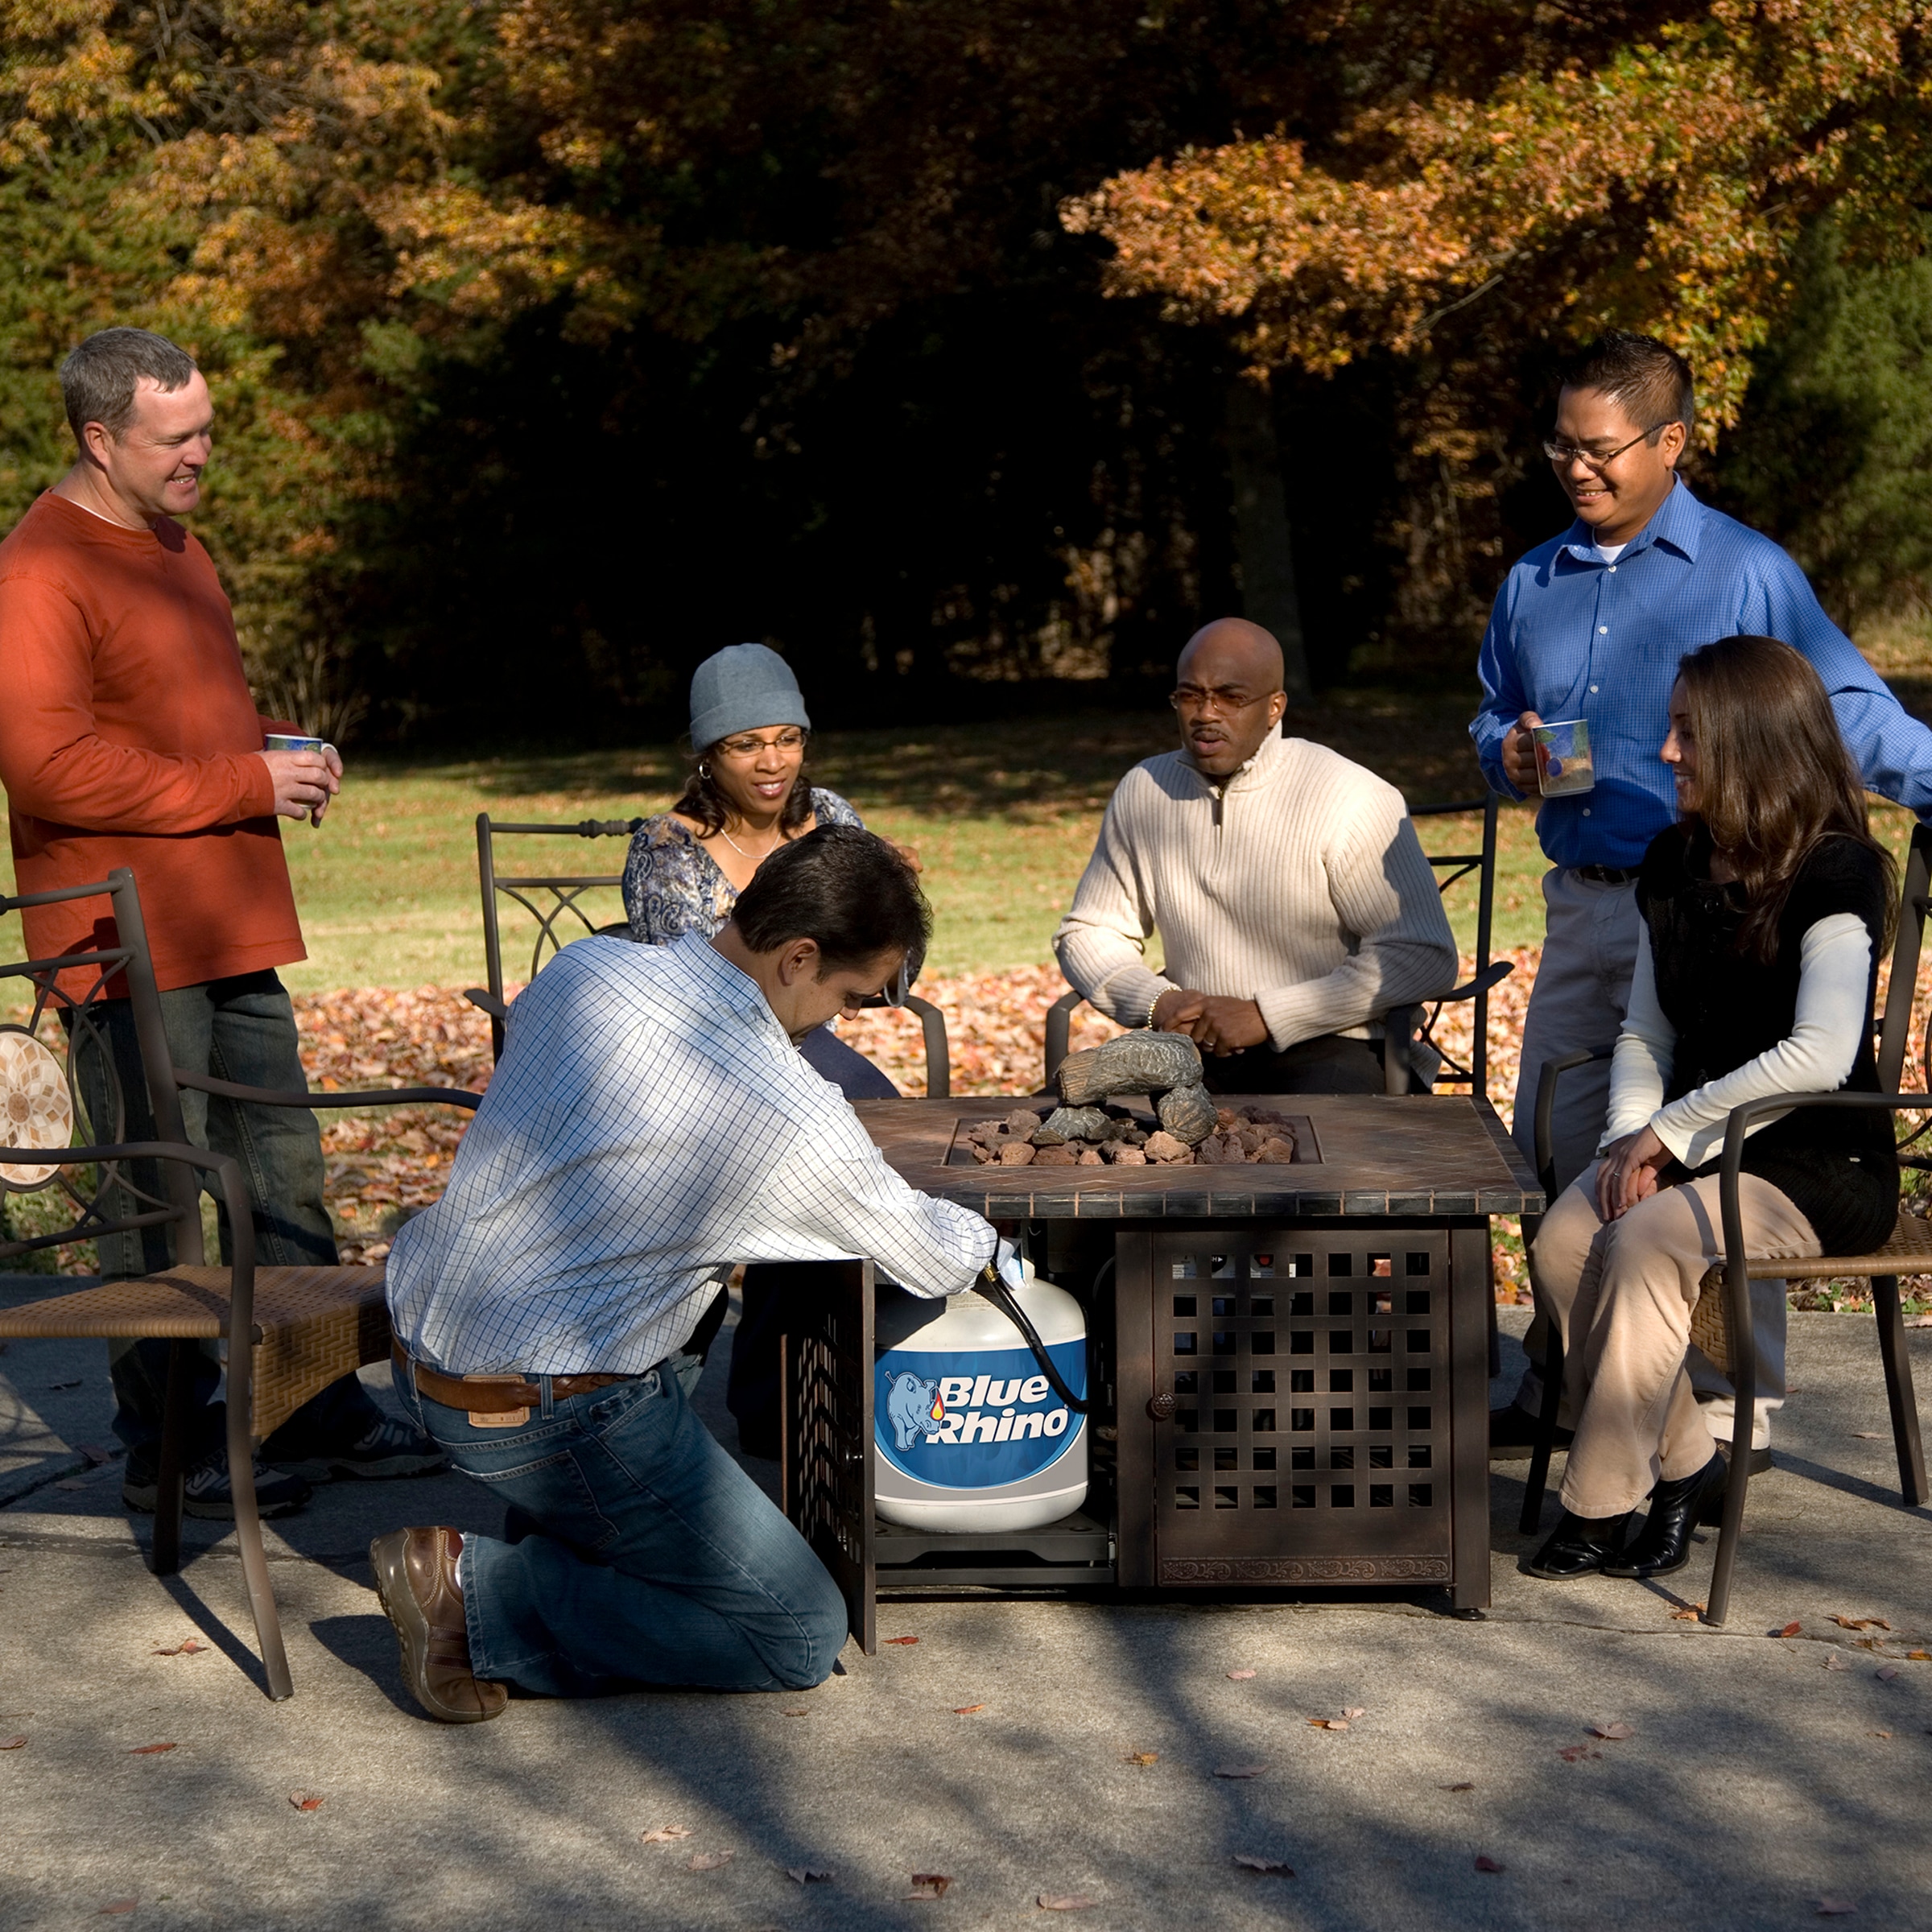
(1581, 995)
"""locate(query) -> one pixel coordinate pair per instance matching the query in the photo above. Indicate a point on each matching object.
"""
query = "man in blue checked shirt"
(1592, 626)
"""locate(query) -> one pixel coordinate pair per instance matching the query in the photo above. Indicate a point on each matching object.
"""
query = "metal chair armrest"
(486, 1002)
(1398, 1033)
(1491, 976)
(389, 1097)
(938, 1057)
(1546, 1111)
(1060, 1029)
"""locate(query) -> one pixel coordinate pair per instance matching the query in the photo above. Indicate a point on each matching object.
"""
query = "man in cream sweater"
(1287, 883)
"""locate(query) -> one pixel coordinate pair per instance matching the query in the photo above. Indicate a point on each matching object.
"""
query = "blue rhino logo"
(914, 1409)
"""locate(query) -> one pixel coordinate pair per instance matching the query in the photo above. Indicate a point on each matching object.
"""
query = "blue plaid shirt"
(1573, 636)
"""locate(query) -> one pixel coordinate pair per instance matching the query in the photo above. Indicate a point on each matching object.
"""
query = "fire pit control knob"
(1161, 1407)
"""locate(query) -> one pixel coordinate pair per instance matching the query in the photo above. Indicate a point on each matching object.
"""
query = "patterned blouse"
(672, 886)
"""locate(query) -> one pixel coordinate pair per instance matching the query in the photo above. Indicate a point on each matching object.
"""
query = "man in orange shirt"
(128, 737)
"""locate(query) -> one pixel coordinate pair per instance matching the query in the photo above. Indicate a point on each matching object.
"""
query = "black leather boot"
(1664, 1542)
(1580, 1547)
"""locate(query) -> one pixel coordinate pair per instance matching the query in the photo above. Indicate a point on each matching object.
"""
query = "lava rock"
(1132, 1063)
(1016, 1153)
(1187, 1113)
(1220, 1150)
(983, 1155)
(1168, 1151)
(1274, 1153)
(1124, 1156)
(1062, 1156)
(1090, 1156)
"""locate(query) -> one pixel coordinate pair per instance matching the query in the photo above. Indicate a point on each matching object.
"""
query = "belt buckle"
(496, 1419)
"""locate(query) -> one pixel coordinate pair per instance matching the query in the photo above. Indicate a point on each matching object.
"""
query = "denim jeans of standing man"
(648, 1556)
(243, 1030)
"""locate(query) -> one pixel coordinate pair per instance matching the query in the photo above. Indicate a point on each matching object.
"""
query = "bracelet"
(1151, 1004)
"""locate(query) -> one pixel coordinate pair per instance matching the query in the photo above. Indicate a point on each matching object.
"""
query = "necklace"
(756, 858)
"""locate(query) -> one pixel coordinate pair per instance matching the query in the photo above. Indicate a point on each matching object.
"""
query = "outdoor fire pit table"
(1289, 1378)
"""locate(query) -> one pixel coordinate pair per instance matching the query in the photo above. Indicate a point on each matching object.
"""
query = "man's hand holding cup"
(1519, 753)
(307, 773)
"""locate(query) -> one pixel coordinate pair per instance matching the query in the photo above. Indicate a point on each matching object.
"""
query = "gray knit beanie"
(743, 688)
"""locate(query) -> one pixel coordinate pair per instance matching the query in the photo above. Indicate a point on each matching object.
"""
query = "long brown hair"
(1773, 776)
(705, 802)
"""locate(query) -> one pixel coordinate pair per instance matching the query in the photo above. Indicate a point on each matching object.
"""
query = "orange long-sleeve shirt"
(128, 737)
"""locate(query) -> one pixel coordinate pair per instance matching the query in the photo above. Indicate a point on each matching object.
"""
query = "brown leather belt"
(493, 1394)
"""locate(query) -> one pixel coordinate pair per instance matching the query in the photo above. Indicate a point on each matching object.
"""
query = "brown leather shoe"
(416, 1579)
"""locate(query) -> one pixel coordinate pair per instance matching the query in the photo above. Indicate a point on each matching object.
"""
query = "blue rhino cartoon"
(914, 1408)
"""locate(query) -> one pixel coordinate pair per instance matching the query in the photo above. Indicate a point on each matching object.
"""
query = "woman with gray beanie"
(745, 797)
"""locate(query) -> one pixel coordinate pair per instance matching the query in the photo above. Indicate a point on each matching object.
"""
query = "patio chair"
(290, 1331)
(1400, 1026)
(556, 900)
(1720, 1323)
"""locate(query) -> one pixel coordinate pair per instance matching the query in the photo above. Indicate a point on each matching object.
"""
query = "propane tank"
(969, 1435)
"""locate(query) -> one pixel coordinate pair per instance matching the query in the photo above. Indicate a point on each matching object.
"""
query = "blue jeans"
(241, 1029)
(655, 1559)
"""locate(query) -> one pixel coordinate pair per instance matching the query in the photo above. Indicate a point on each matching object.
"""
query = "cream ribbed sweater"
(1297, 883)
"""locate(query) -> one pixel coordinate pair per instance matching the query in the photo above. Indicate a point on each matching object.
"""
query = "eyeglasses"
(1568, 452)
(790, 740)
(1229, 698)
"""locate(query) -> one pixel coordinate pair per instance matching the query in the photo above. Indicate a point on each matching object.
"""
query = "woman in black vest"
(1765, 912)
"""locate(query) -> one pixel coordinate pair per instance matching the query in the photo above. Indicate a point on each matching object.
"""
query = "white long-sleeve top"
(1297, 883)
(649, 1126)
(1835, 966)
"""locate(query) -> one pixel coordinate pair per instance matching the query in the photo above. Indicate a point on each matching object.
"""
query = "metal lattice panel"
(1309, 1374)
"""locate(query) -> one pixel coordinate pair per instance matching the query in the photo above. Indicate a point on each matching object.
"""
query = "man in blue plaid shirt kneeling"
(651, 1124)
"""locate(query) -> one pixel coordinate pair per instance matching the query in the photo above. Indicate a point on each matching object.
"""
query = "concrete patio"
(1765, 1775)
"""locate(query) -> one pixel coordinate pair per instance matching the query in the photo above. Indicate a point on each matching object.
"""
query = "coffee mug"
(284, 741)
(1563, 757)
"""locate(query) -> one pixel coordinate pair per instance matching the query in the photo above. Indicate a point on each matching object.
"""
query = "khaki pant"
(1621, 1293)
(1581, 994)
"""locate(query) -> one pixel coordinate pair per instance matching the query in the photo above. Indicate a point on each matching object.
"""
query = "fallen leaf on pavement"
(1918, 1657)
(307, 1801)
(966, 1709)
(1834, 1908)
(1689, 1614)
(1861, 1623)
(1238, 1677)
(1355, 1710)
(1065, 1901)
(119, 1905)
(1241, 1770)
(1616, 1732)
(808, 1874)
(75, 1383)
(1792, 1629)
(1878, 1734)
(1485, 1863)
(1888, 1672)
(1466, 1785)
(72, 1482)
(188, 1647)
(795, 1714)
(1142, 1758)
(931, 1884)
(1919, 1321)
(148, 1750)
(664, 1835)
(1836, 1661)
(709, 1861)
(901, 1639)
(11, 1744)
(1868, 1435)
(1329, 1724)
(1280, 1866)
(1574, 1754)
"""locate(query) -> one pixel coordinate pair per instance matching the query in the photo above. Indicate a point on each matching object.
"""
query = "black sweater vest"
(1839, 1166)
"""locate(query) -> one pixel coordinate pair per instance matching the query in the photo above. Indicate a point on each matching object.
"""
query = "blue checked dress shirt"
(1573, 636)
(650, 1125)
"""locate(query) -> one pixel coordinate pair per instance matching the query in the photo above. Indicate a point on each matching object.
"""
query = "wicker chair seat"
(312, 1325)
(1908, 1252)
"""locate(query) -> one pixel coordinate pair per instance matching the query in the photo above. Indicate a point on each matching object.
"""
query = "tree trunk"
(1263, 540)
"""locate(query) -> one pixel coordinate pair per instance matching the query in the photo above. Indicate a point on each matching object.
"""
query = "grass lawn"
(1003, 816)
